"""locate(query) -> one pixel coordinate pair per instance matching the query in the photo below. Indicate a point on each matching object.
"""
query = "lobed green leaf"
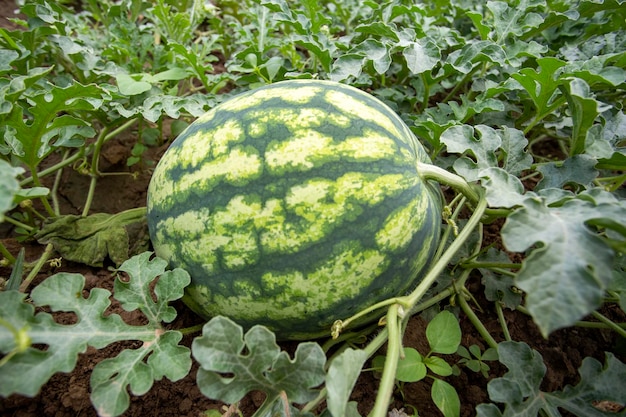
(519, 388)
(233, 364)
(341, 378)
(29, 368)
(569, 269)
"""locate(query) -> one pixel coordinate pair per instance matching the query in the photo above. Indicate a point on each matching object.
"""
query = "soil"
(68, 394)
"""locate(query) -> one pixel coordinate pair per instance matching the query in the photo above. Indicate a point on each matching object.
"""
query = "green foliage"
(524, 100)
(9, 186)
(254, 362)
(444, 336)
(520, 389)
(474, 359)
(340, 380)
(573, 262)
(159, 356)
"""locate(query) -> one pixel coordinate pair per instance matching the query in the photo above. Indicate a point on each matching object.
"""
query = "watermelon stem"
(94, 172)
(442, 176)
(396, 322)
(385, 389)
(409, 302)
(442, 262)
(462, 296)
(448, 218)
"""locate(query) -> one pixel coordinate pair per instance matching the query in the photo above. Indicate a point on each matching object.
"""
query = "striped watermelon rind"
(294, 205)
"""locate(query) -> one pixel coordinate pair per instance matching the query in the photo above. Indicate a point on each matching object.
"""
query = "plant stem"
(56, 167)
(339, 325)
(539, 117)
(44, 200)
(90, 194)
(426, 91)
(7, 255)
(18, 223)
(103, 137)
(442, 176)
(597, 325)
(123, 217)
(502, 320)
(446, 257)
(476, 321)
(385, 389)
(371, 348)
(491, 265)
(446, 233)
(55, 187)
(42, 260)
(609, 323)
(603, 323)
(461, 84)
(193, 329)
(436, 299)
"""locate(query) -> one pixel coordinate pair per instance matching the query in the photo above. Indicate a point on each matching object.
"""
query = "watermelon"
(294, 205)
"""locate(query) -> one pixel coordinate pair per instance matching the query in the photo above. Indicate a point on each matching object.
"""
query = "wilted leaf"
(91, 239)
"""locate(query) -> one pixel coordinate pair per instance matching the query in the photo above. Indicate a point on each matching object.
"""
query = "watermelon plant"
(365, 163)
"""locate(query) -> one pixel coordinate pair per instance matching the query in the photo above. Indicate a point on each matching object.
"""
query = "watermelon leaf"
(498, 286)
(514, 20)
(460, 139)
(29, 367)
(37, 139)
(340, 379)
(519, 388)
(501, 188)
(579, 169)
(566, 275)
(9, 186)
(421, 56)
(514, 143)
(232, 365)
(91, 239)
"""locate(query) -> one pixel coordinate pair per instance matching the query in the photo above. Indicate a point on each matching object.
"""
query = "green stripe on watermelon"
(294, 205)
